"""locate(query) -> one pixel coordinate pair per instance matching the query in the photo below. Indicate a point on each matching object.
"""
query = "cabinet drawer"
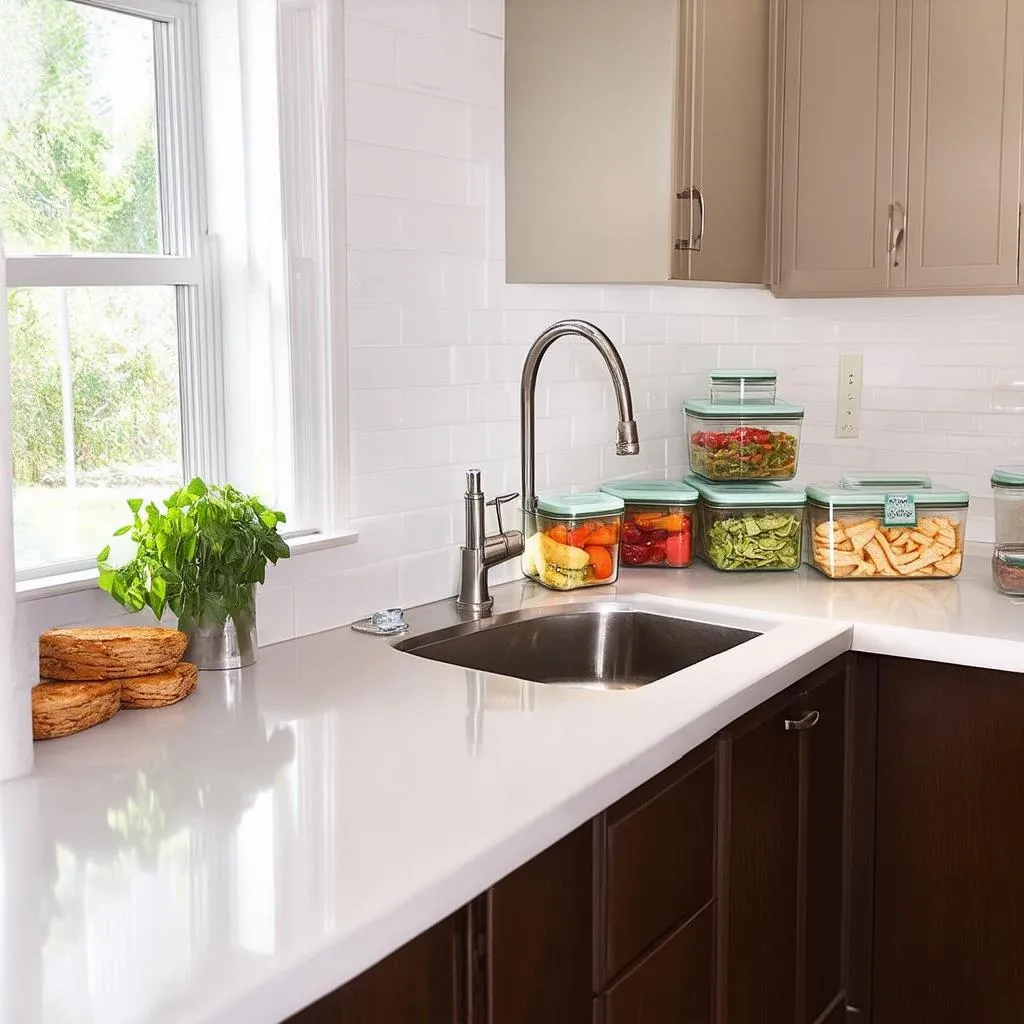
(658, 857)
(672, 984)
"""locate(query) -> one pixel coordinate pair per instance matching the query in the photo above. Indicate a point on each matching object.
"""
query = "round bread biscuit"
(109, 652)
(160, 689)
(60, 709)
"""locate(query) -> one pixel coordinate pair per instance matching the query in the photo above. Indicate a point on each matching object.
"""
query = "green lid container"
(751, 413)
(585, 505)
(760, 494)
(651, 492)
(1008, 476)
(885, 491)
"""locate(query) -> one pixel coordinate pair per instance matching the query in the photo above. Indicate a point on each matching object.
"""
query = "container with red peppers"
(742, 433)
(657, 523)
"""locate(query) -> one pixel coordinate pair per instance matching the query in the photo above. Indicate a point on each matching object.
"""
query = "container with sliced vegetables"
(886, 526)
(747, 527)
(742, 433)
(572, 540)
(657, 523)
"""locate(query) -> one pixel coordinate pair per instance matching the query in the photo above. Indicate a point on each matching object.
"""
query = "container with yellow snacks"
(882, 526)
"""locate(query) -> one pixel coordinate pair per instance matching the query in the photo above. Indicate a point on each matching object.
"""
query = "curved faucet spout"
(626, 438)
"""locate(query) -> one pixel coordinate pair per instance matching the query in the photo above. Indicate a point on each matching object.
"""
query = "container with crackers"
(873, 526)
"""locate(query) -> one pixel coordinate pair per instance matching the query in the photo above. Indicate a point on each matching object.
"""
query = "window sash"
(189, 261)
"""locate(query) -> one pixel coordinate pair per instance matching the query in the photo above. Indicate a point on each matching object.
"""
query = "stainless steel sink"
(601, 645)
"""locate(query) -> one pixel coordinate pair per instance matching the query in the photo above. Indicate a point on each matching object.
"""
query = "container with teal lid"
(1008, 499)
(657, 527)
(742, 433)
(886, 526)
(751, 526)
(742, 385)
(572, 540)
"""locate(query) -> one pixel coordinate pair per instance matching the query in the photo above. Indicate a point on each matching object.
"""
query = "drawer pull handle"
(809, 721)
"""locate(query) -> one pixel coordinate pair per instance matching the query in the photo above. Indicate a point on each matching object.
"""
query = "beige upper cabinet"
(898, 152)
(635, 139)
(837, 146)
(966, 93)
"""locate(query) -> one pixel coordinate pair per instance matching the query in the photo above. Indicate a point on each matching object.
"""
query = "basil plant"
(200, 556)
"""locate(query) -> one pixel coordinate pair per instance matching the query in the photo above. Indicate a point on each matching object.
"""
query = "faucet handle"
(498, 502)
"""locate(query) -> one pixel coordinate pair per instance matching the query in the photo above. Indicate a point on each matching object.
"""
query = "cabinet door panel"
(424, 981)
(540, 937)
(672, 984)
(589, 139)
(659, 861)
(823, 767)
(837, 146)
(966, 95)
(761, 871)
(949, 886)
(729, 51)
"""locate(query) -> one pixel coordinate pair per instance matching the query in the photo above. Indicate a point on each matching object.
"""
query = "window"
(167, 240)
(109, 291)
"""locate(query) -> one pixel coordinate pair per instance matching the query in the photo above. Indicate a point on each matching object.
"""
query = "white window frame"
(188, 262)
(309, 358)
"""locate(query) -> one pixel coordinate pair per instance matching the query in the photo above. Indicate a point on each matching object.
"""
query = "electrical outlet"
(851, 369)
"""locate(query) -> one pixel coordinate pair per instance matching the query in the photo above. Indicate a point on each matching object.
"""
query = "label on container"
(900, 510)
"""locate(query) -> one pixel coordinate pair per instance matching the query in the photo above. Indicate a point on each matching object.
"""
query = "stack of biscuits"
(87, 675)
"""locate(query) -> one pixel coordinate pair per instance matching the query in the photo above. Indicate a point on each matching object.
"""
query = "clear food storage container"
(742, 385)
(877, 526)
(657, 522)
(572, 540)
(742, 527)
(743, 440)
(1008, 495)
(1008, 569)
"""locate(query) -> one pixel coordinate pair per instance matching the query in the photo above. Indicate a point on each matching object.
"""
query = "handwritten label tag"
(900, 510)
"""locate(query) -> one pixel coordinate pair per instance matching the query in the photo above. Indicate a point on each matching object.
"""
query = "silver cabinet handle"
(692, 244)
(809, 721)
(897, 230)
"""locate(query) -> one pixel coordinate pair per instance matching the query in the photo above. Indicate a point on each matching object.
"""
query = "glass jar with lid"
(1008, 569)
(657, 524)
(572, 540)
(1008, 498)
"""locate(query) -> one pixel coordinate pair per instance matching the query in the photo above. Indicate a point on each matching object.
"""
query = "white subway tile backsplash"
(371, 52)
(374, 170)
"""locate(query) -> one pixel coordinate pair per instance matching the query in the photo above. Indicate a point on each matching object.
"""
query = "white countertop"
(234, 857)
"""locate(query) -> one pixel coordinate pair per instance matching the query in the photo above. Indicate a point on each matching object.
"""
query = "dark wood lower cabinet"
(783, 860)
(538, 931)
(949, 844)
(425, 981)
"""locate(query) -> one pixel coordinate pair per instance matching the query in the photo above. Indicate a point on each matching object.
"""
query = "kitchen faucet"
(626, 442)
(480, 551)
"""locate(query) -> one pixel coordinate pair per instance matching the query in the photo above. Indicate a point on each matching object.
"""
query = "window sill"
(75, 582)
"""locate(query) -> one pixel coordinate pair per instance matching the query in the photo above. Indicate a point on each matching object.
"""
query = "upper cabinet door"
(966, 93)
(837, 146)
(724, 55)
(590, 109)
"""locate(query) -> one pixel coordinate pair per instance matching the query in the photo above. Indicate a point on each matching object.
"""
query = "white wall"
(437, 341)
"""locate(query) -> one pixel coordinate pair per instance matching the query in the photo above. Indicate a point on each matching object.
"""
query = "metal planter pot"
(215, 645)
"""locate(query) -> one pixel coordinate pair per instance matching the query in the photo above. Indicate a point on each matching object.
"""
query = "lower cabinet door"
(539, 936)
(758, 920)
(671, 985)
(424, 981)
